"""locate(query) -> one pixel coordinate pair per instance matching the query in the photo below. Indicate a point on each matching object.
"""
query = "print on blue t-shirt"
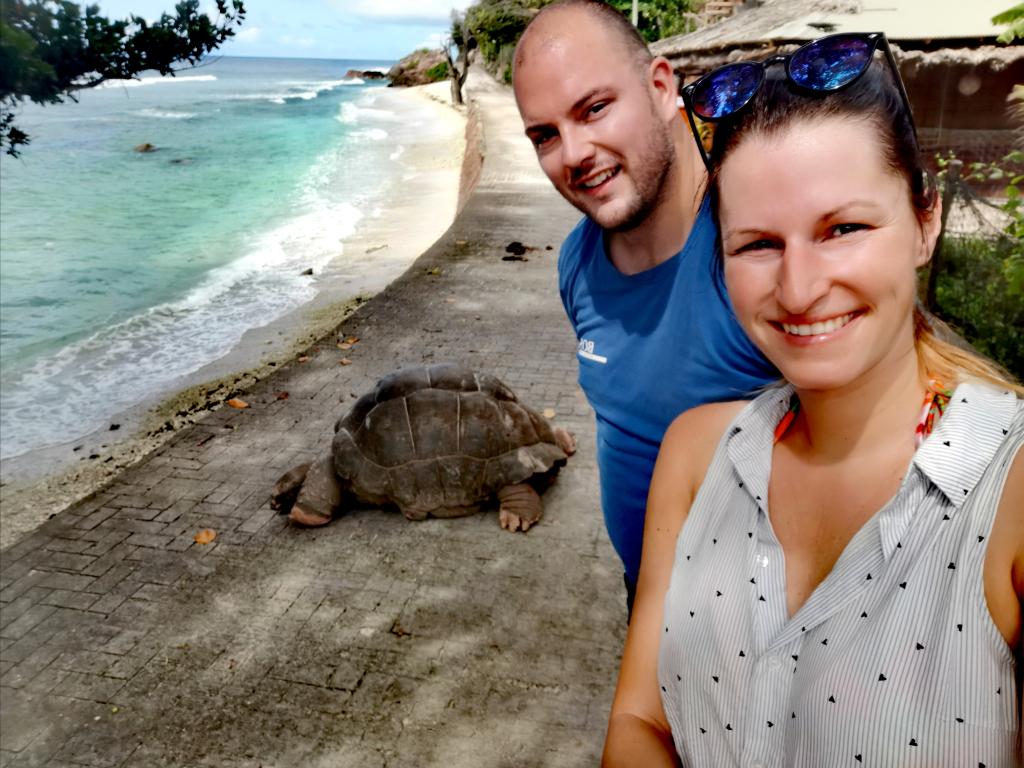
(650, 346)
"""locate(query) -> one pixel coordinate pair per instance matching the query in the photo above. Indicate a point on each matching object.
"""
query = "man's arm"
(569, 258)
(638, 732)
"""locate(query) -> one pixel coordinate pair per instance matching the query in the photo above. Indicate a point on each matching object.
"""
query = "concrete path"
(373, 641)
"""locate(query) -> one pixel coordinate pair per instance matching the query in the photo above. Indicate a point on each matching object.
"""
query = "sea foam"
(142, 82)
(75, 390)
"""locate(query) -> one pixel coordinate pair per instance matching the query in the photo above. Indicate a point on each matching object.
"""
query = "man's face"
(588, 108)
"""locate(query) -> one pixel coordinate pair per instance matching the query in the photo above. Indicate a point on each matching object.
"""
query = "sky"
(321, 29)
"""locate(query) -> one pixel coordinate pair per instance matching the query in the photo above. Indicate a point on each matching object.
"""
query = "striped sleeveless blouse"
(893, 660)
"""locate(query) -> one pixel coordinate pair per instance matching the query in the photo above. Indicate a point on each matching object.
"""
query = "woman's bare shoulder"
(691, 439)
(703, 424)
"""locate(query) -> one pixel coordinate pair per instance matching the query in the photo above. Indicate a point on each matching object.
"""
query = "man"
(638, 275)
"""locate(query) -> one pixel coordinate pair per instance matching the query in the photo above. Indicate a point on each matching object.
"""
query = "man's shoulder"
(580, 239)
(577, 247)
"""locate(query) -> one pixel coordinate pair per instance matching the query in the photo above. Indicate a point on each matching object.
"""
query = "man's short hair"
(607, 15)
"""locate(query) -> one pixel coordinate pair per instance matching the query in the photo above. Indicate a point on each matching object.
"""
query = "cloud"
(249, 34)
(403, 11)
(294, 41)
(433, 41)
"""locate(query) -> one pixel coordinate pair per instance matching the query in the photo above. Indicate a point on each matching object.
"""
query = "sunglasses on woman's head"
(825, 65)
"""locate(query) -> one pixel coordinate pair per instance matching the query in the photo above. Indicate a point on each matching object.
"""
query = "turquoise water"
(121, 272)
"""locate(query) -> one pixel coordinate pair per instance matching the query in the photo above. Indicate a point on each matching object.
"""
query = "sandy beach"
(419, 208)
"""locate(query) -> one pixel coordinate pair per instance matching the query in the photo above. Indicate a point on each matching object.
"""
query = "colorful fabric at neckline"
(936, 398)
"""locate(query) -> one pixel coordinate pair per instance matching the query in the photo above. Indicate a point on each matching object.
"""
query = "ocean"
(121, 271)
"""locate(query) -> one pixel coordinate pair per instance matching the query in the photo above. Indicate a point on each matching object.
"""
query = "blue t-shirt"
(650, 346)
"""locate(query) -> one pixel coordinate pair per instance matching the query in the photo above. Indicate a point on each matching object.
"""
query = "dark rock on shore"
(419, 68)
(365, 74)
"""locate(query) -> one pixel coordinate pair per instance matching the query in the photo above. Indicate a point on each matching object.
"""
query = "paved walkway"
(373, 641)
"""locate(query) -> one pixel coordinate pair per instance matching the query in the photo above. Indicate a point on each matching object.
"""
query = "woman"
(832, 574)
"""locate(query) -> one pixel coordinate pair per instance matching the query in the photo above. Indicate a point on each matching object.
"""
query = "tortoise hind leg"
(520, 507)
(320, 495)
(286, 489)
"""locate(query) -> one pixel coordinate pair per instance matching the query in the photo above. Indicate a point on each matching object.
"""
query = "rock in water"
(365, 74)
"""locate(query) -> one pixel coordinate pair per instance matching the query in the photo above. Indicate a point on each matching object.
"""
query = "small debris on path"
(205, 536)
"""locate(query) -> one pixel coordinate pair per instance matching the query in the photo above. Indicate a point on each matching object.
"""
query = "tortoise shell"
(440, 440)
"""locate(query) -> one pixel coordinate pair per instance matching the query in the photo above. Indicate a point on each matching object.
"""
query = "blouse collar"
(953, 457)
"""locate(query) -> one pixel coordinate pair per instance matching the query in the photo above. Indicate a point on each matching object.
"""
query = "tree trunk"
(456, 77)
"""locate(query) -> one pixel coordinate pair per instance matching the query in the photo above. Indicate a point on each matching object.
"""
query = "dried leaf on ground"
(282, 395)
(344, 361)
(344, 345)
(350, 340)
(235, 402)
(205, 536)
(434, 271)
(303, 358)
(549, 413)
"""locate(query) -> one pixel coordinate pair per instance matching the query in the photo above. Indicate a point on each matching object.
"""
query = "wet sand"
(419, 209)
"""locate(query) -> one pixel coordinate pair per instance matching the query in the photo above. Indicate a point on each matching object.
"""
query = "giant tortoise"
(437, 441)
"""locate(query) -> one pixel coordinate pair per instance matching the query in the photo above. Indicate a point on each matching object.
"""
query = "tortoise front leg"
(566, 440)
(320, 495)
(286, 489)
(520, 507)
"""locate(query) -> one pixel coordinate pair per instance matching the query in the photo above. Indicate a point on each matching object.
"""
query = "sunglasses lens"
(726, 90)
(830, 63)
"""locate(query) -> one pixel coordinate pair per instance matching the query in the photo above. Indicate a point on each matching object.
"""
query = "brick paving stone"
(64, 598)
(372, 641)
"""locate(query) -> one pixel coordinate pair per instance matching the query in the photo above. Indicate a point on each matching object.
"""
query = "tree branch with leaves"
(51, 49)
(1013, 18)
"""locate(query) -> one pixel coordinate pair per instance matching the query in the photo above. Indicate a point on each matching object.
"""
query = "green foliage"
(497, 24)
(1011, 170)
(437, 72)
(980, 290)
(974, 296)
(658, 19)
(1013, 18)
(49, 49)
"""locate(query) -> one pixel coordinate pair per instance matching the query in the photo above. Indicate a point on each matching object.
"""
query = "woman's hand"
(638, 733)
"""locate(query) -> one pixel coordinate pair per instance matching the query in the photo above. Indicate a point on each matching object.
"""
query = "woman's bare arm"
(638, 733)
(1004, 571)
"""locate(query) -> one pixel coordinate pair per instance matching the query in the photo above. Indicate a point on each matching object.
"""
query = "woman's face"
(821, 245)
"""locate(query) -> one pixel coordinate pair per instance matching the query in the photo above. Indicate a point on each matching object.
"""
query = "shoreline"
(415, 212)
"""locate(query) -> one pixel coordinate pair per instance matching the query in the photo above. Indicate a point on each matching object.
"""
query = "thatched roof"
(767, 23)
(996, 57)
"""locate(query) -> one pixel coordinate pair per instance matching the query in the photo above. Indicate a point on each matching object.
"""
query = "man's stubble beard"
(649, 177)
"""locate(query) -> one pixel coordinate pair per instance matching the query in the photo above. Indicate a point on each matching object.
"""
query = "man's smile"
(595, 180)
